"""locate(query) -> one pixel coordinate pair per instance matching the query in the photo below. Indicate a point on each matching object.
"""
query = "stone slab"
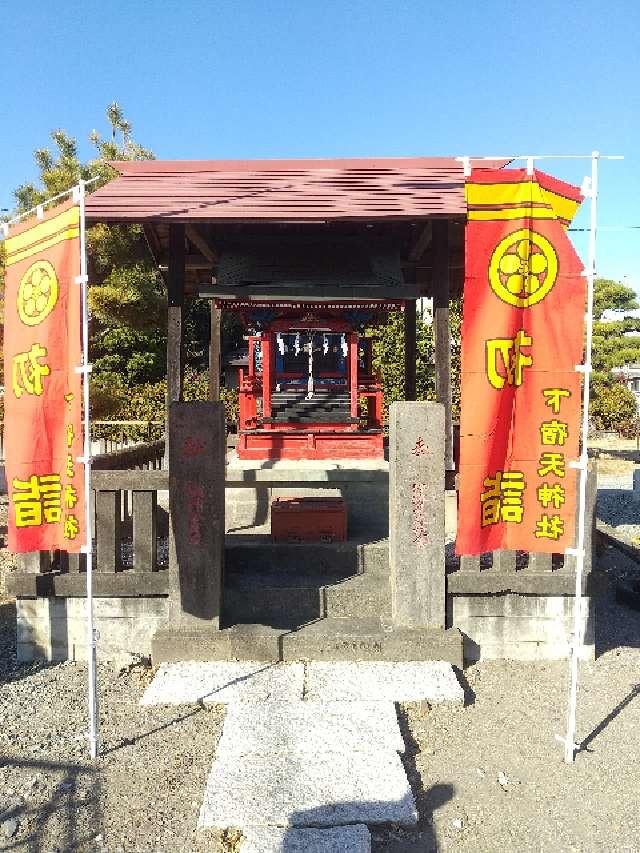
(224, 682)
(523, 582)
(429, 681)
(339, 839)
(250, 472)
(310, 728)
(417, 513)
(523, 651)
(346, 639)
(513, 629)
(292, 790)
(510, 605)
(116, 584)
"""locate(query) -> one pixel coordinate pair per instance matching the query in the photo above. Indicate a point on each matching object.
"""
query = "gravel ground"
(487, 777)
(145, 791)
(617, 508)
(490, 776)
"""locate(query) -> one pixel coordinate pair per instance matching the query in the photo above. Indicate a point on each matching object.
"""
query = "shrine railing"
(131, 512)
(526, 572)
(130, 541)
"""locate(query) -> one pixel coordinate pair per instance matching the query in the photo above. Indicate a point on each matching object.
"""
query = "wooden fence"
(131, 541)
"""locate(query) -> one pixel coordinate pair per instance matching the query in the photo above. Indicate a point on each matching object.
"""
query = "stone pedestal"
(196, 499)
(416, 514)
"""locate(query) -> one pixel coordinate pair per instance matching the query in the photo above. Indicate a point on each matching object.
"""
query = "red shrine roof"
(281, 190)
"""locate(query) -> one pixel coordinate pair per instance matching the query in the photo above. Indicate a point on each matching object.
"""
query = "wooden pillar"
(268, 364)
(410, 349)
(441, 331)
(214, 354)
(175, 347)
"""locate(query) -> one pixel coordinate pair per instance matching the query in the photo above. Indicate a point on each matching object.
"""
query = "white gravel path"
(306, 745)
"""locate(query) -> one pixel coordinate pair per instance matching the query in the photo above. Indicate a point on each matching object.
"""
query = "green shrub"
(613, 407)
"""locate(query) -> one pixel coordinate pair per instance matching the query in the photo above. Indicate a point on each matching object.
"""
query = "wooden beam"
(311, 292)
(410, 350)
(198, 239)
(191, 262)
(155, 249)
(441, 331)
(422, 243)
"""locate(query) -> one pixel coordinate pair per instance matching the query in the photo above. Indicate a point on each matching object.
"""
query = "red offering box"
(308, 520)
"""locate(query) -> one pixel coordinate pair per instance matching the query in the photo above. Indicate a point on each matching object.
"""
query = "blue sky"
(224, 79)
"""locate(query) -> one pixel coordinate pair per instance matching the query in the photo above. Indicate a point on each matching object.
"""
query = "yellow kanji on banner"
(42, 349)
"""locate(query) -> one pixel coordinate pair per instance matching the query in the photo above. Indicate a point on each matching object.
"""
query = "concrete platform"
(330, 684)
(431, 681)
(310, 727)
(224, 682)
(294, 790)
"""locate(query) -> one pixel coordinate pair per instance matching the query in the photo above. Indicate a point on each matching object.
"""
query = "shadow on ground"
(69, 819)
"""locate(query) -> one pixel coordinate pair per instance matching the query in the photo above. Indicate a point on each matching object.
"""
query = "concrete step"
(333, 561)
(287, 600)
(277, 606)
(289, 605)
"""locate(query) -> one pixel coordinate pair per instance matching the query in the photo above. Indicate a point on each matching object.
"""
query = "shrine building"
(325, 532)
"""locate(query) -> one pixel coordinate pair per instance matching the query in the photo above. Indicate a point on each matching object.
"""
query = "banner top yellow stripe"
(39, 247)
(67, 219)
(522, 193)
(512, 213)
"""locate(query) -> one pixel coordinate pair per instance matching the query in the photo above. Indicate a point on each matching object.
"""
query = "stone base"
(509, 626)
(55, 629)
(330, 639)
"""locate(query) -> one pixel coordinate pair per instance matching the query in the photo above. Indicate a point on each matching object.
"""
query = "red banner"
(522, 337)
(42, 348)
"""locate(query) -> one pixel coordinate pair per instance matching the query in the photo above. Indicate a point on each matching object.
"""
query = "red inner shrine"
(310, 391)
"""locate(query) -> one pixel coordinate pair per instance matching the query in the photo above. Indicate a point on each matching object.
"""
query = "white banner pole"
(85, 370)
(570, 746)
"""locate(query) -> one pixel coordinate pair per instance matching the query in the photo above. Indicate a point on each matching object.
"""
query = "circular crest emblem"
(37, 293)
(523, 268)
